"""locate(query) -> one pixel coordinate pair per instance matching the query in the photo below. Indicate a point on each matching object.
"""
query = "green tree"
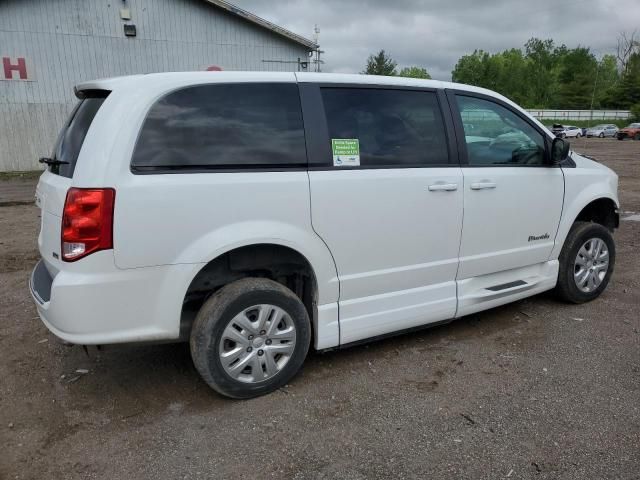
(630, 82)
(513, 76)
(545, 75)
(415, 72)
(470, 69)
(606, 80)
(635, 112)
(503, 72)
(380, 64)
(627, 91)
(577, 71)
(542, 57)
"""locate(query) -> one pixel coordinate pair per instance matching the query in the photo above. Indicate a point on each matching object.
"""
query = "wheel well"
(602, 211)
(276, 262)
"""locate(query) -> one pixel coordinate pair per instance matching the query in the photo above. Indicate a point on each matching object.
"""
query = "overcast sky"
(435, 33)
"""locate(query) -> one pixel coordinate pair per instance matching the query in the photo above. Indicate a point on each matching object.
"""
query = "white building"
(48, 46)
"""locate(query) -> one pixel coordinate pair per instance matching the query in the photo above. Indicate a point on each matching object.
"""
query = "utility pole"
(593, 94)
(316, 60)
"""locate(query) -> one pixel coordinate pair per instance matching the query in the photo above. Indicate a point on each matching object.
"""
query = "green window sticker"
(346, 152)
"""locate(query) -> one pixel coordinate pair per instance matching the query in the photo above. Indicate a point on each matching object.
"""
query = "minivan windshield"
(71, 137)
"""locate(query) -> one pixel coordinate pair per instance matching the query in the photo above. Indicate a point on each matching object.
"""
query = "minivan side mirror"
(559, 150)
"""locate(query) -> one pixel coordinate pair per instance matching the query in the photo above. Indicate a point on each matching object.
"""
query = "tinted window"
(232, 125)
(497, 136)
(72, 136)
(392, 127)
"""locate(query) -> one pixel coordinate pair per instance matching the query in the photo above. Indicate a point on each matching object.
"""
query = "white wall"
(581, 114)
(65, 42)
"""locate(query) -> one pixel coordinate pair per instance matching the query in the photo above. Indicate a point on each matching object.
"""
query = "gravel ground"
(535, 389)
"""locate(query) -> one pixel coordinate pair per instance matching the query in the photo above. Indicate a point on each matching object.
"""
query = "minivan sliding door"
(386, 198)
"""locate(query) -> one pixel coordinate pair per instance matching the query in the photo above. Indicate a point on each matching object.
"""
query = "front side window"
(497, 136)
(385, 128)
(224, 126)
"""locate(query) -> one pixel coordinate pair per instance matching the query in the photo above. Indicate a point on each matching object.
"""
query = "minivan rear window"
(224, 126)
(72, 135)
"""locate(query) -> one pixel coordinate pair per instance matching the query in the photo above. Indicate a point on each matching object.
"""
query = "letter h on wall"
(9, 68)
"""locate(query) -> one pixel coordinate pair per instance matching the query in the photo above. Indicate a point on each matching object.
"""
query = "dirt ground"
(535, 389)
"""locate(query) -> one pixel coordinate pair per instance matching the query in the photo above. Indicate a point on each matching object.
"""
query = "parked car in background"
(603, 130)
(566, 131)
(630, 131)
(557, 129)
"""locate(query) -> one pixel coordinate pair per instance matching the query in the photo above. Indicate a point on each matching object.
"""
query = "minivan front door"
(512, 196)
(388, 203)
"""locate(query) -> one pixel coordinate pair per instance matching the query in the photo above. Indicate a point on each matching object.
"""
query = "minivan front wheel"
(250, 338)
(586, 262)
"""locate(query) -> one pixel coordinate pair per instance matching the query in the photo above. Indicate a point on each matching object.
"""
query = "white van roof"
(153, 83)
(188, 78)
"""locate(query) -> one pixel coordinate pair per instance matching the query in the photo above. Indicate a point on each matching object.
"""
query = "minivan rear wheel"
(586, 262)
(250, 338)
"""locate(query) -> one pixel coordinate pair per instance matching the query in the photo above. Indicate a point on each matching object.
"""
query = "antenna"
(317, 61)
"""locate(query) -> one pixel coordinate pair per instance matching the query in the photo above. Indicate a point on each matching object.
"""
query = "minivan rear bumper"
(114, 305)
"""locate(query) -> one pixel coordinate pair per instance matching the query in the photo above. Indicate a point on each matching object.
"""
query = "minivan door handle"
(446, 187)
(482, 185)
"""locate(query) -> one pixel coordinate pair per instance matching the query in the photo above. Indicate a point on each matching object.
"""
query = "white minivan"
(258, 214)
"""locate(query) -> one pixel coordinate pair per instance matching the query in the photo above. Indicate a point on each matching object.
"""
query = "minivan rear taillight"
(87, 222)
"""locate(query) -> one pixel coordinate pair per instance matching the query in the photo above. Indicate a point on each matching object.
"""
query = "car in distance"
(630, 131)
(603, 130)
(257, 215)
(558, 130)
(566, 131)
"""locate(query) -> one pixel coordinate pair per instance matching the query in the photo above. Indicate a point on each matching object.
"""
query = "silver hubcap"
(591, 265)
(257, 343)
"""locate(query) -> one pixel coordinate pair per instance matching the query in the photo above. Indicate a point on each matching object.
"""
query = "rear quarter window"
(224, 126)
(72, 136)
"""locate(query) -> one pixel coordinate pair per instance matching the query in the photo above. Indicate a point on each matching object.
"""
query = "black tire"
(601, 135)
(215, 315)
(566, 288)
(637, 136)
(578, 135)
